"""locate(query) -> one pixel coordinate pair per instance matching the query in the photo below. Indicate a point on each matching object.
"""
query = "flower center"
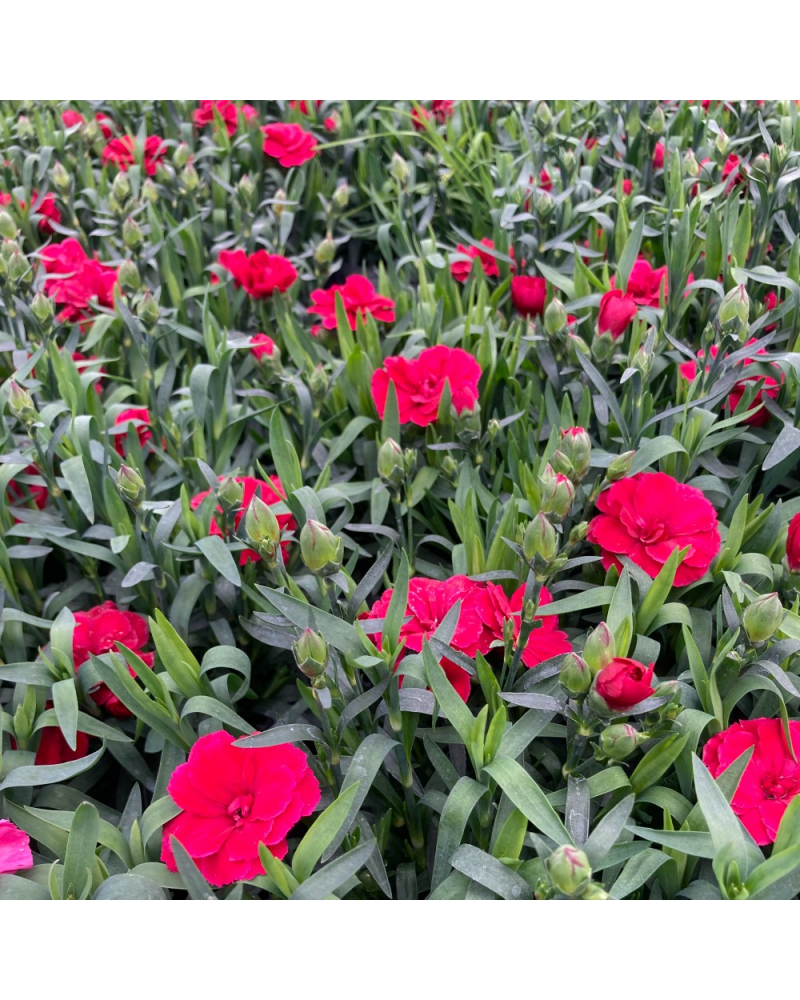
(656, 532)
(240, 808)
(779, 787)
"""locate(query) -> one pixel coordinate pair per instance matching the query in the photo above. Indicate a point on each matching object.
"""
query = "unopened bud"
(318, 382)
(262, 530)
(493, 428)
(189, 178)
(543, 115)
(121, 188)
(542, 203)
(311, 653)
(230, 494)
(642, 360)
(130, 485)
(657, 123)
(128, 276)
(569, 870)
(320, 549)
(723, 144)
(555, 317)
(467, 422)
(399, 169)
(8, 228)
(558, 495)
(761, 164)
(341, 196)
(577, 345)
(595, 890)
(599, 649)
(690, 165)
(25, 129)
(577, 447)
(182, 155)
(279, 203)
(734, 311)
(579, 533)
(246, 189)
(43, 309)
(450, 468)
(19, 270)
(131, 233)
(619, 741)
(762, 618)
(620, 466)
(325, 251)
(150, 191)
(540, 539)
(575, 676)
(60, 178)
(20, 404)
(147, 310)
(390, 463)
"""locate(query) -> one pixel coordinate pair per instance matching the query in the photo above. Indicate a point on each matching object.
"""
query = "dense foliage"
(400, 500)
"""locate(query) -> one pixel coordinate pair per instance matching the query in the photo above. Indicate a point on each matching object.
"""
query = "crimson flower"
(644, 283)
(461, 269)
(616, 312)
(15, 848)
(142, 417)
(289, 144)
(227, 110)
(528, 295)
(793, 545)
(769, 387)
(77, 282)
(419, 383)
(358, 297)
(623, 683)
(122, 152)
(260, 274)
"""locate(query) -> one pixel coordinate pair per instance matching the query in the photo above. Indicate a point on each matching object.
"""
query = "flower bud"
(25, 129)
(780, 154)
(450, 469)
(690, 165)
(147, 310)
(399, 169)
(734, 311)
(657, 123)
(562, 464)
(555, 317)
(619, 741)
(318, 382)
(19, 269)
(542, 203)
(577, 345)
(529, 610)
(60, 178)
(279, 203)
(121, 188)
(575, 676)
(182, 155)
(8, 228)
(595, 890)
(577, 447)
(558, 495)
(723, 144)
(320, 549)
(310, 653)
(569, 870)
(762, 618)
(540, 539)
(341, 196)
(599, 649)
(43, 309)
(390, 463)
(410, 460)
(189, 178)
(131, 233)
(642, 360)
(245, 189)
(568, 159)
(149, 190)
(230, 494)
(130, 485)
(620, 466)
(128, 276)
(20, 404)
(543, 115)
(579, 533)
(325, 251)
(262, 530)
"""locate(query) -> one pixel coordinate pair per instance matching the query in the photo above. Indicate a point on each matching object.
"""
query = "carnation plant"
(399, 500)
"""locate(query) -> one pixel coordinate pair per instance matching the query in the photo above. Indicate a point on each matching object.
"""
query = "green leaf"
(637, 871)
(321, 832)
(219, 555)
(452, 823)
(390, 428)
(727, 831)
(605, 834)
(195, 884)
(395, 613)
(283, 453)
(130, 886)
(789, 829)
(448, 700)
(526, 795)
(65, 703)
(335, 874)
(488, 871)
(49, 774)
(81, 845)
(657, 761)
(74, 472)
(659, 591)
(629, 254)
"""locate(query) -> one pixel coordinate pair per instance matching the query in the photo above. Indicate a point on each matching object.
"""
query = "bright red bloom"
(658, 156)
(15, 848)
(260, 274)
(528, 295)
(122, 153)
(627, 186)
(623, 683)
(54, 749)
(358, 297)
(617, 309)
(644, 283)
(233, 799)
(289, 144)
(494, 609)
(646, 516)
(262, 345)
(770, 387)
(228, 111)
(304, 106)
(731, 170)
(76, 281)
(19, 493)
(771, 779)
(141, 414)
(419, 383)
(793, 545)
(461, 269)
(270, 492)
(545, 183)
(440, 110)
(96, 632)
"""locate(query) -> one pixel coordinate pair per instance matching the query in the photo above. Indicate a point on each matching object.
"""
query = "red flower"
(647, 516)
(76, 281)
(461, 269)
(623, 683)
(793, 545)
(262, 345)
(303, 106)
(627, 186)
(47, 209)
(769, 388)
(270, 492)
(54, 749)
(106, 124)
(71, 118)
(233, 799)
(644, 284)
(20, 493)
(441, 111)
(139, 414)
(617, 309)
(419, 383)
(227, 110)
(658, 156)
(528, 295)
(544, 642)
(15, 848)
(771, 779)
(332, 122)
(122, 153)
(358, 297)
(731, 170)
(289, 144)
(96, 632)
(770, 303)
(260, 274)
